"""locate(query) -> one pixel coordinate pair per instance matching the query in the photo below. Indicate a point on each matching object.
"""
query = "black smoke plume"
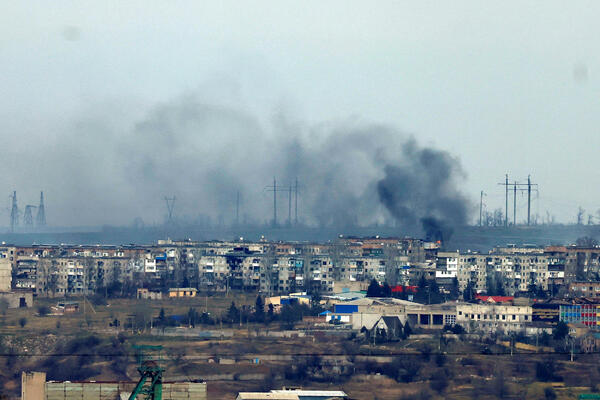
(421, 188)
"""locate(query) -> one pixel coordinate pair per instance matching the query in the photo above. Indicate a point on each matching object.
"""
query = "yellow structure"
(292, 298)
(182, 292)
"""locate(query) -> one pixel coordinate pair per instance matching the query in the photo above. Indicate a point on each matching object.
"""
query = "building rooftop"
(313, 393)
(266, 396)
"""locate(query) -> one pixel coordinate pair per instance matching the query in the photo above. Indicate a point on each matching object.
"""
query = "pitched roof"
(494, 299)
(392, 322)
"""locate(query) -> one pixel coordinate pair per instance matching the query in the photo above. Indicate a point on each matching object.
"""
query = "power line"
(518, 187)
(274, 188)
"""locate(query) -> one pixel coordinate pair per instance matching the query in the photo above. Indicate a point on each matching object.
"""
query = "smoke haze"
(350, 173)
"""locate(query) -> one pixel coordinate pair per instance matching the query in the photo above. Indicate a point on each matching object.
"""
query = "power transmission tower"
(290, 206)
(40, 218)
(14, 212)
(274, 201)
(170, 207)
(276, 189)
(505, 184)
(519, 187)
(530, 186)
(28, 216)
(481, 208)
(296, 202)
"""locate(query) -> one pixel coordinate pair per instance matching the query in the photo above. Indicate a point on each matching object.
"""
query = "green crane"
(149, 387)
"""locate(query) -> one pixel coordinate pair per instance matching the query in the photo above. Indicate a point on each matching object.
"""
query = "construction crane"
(149, 387)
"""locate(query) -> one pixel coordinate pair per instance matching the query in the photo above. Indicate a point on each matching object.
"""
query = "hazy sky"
(507, 87)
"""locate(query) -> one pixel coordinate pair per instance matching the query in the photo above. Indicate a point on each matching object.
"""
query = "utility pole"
(274, 202)
(290, 206)
(521, 187)
(237, 209)
(296, 202)
(505, 184)
(515, 204)
(506, 205)
(481, 208)
(276, 189)
(528, 200)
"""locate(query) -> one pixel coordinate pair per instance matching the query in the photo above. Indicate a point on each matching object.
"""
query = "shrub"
(545, 371)
(426, 351)
(407, 370)
(468, 361)
(440, 359)
(549, 394)
(439, 382)
(43, 311)
(23, 322)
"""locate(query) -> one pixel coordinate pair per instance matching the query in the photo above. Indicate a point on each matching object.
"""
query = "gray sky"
(504, 86)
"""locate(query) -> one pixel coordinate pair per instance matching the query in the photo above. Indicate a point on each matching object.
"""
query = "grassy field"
(101, 316)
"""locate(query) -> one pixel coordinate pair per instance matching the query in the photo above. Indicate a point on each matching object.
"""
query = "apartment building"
(472, 268)
(584, 289)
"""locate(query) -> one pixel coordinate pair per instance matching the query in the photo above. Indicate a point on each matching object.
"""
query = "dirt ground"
(469, 373)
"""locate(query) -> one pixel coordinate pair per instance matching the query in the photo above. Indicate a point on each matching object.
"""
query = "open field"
(97, 317)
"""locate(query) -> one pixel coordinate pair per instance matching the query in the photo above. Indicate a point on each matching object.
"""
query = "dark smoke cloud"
(421, 188)
(350, 173)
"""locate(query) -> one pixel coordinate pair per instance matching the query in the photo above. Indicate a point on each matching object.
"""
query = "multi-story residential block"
(584, 289)
(472, 268)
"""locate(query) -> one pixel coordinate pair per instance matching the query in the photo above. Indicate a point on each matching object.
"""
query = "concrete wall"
(14, 299)
(5, 275)
(35, 387)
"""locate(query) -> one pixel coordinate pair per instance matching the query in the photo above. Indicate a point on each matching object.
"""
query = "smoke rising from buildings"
(351, 173)
(421, 188)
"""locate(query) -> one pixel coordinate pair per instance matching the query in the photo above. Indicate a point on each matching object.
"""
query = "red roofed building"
(494, 299)
(406, 289)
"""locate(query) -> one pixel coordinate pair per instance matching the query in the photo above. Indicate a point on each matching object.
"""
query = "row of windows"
(502, 317)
